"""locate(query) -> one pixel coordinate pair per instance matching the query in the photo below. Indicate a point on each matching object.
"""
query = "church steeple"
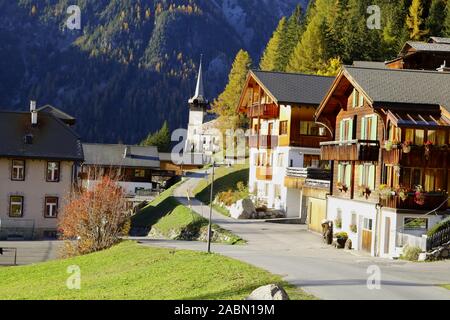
(199, 99)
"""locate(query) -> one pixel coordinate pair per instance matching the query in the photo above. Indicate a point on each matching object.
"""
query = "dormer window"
(18, 170)
(28, 139)
(53, 171)
(357, 99)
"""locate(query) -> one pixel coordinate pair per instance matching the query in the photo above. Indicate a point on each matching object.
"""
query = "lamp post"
(211, 208)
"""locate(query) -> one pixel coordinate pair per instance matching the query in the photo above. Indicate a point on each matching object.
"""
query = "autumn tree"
(94, 220)
(415, 21)
(226, 104)
(274, 56)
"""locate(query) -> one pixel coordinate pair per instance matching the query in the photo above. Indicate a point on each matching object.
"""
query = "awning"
(418, 120)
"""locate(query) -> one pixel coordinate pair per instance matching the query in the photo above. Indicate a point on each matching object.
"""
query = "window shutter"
(363, 128)
(373, 133)
(350, 130)
(341, 131)
(348, 175)
(361, 100)
(372, 177)
(360, 175)
(339, 175)
(355, 97)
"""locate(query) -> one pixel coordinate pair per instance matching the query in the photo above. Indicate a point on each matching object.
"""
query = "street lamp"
(211, 208)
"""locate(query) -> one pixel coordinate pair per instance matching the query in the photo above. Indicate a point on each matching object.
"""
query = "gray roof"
(58, 114)
(294, 87)
(369, 64)
(51, 138)
(394, 86)
(428, 47)
(440, 40)
(118, 155)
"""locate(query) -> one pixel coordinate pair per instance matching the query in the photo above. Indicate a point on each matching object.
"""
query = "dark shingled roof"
(394, 86)
(66, 118)
(294, 87)
(51, 138)
(114, 155)
(427, 47)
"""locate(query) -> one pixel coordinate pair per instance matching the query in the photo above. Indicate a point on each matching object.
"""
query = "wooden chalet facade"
(391, 132)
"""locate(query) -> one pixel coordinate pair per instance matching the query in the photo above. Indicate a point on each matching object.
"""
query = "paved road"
(302, 259)
(29, 252)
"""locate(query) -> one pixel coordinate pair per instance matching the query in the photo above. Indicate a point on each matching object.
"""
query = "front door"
(367, 235)
(387, 235)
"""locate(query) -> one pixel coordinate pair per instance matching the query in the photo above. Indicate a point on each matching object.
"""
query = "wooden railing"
(438, 239)
(264, 173)
(308, 141)
(431, 201)
(417, 157)
(309, 173)
(263, 141)
(265, 111)
(353, 150)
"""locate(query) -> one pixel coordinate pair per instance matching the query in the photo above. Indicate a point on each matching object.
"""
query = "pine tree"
(226, 104)
(446, 25)
(160, 139)
(415, 22)
(436, 18)
(295, 29)
(274, 58)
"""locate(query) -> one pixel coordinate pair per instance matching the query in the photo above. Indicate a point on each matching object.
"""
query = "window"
(437, 137)
(368, 224)
(357, 99)
(51, 207)
(417, 137)
(369, 127)
(366, 174)
(310, 128)
(345, 174)
(394, 133)
(415, 224)
(280, 161)
(53, 171)
(18, 170)
(283, 128)
(346, 130)
(277, 191)
(434, 180)
(16, 206)
(139, 173)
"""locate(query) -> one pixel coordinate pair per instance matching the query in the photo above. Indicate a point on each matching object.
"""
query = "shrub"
(354, 228)
(341, 235)
(94, 220)
(338, 223)
(411, 253)
(444, 224)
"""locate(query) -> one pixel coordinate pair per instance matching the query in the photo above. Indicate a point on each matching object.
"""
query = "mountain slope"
(133, 63)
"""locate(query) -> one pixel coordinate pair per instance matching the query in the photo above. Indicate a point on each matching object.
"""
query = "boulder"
(243, 209)
(270, 292)
(348, 244)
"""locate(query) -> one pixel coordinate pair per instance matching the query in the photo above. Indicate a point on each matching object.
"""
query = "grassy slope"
(225, 179)
(446, 286)
(167, 216)
(130, 271)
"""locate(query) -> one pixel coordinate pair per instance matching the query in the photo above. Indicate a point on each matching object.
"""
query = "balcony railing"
(431, 201)
(352, 150)
(264, 173)
(263, 141)
(309, 173)
(417, 157)
(265, 111)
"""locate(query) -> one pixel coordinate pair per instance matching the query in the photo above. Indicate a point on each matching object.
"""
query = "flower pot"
(406, 149)
(341, 242)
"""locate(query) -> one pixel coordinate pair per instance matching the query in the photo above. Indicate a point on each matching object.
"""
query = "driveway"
(303, 260)
(29, 252)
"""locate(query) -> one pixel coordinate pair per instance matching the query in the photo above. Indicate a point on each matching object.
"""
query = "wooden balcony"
(353, 150)
(308, 141)
(263, 142)
(297, 177)
(431, 202)
(263, 111)
(438, 157)
(264, 173)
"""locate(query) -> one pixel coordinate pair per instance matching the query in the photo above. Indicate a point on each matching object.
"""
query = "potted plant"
(428, 146)
(406, 146)
(342, 187)
(354, 228)
(364, 191)
(402, 194)
(388, 145)
(341, 239)
(384, 192)
(419, 197)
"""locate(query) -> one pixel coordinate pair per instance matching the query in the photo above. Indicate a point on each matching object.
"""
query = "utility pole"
(211, 208)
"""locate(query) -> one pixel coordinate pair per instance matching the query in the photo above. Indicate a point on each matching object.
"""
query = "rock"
(270, 292)
(243, 209)
(423, 257)
(348, 244)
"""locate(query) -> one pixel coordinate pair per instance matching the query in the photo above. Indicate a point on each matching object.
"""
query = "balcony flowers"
(354, 228)
(338, 223)
(406, 146)
(402, 193)
(419, 197)
(385, 192)
(342, 187)
(389, 145)
(428, 146)
(364, 191)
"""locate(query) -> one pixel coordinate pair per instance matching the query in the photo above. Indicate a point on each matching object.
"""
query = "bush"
(444, 224)
(411, 253)
(341, 235)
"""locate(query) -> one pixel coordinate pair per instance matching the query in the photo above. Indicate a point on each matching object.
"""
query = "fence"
(438, 239)
(404, 239)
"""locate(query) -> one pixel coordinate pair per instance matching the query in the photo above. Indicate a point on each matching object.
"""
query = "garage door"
(317, 212)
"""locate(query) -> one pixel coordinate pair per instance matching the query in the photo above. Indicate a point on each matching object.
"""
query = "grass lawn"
(168, 218)
(226, 178)
(130, 271)
(446, 286)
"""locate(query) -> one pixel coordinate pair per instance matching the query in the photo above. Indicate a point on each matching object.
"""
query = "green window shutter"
(339, 173)
(363, 128)
(341, 131)
(354, 98)
(361, 100)
(348, 175)
(350, 130)
(372, 177)
(373, 130)
(360, 174)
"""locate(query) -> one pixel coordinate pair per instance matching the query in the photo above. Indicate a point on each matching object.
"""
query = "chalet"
(39, 153)
(391, 131)
(284, 140)
(429, 55)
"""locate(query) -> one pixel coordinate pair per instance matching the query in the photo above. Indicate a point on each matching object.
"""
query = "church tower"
(198, 105)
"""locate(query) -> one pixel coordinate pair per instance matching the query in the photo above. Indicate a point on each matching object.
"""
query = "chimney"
(444, 68)
(34, 114)
(127, 152)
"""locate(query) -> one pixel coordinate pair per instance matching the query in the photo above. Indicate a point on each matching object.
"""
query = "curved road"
(303, 260)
